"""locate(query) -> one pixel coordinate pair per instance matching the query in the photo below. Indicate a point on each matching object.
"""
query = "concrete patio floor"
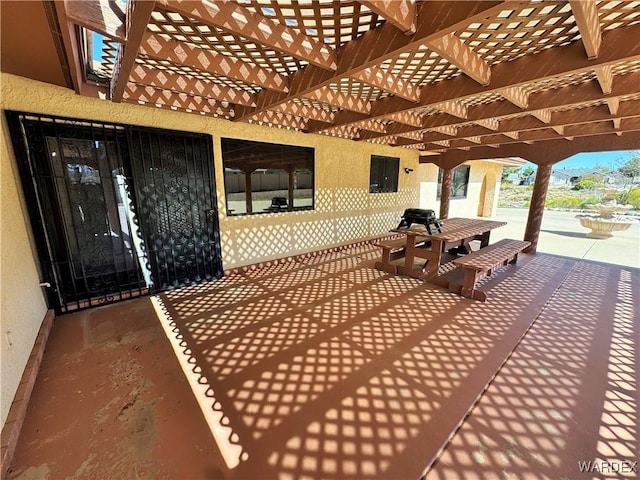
(324, 367)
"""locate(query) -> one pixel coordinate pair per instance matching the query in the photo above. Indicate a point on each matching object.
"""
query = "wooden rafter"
(138, 14)
(543, 115)
(372, 126)
(613, 104)
(384, 80)
(340, 100)
(489, 123)
(280, 119)
(450, 130)
(617, 46)
(454, 108)
(462, 56)
(604, 74)
(513, 127)
(406, 118)
(436, 18)
(516, 95)
(238, 20)
(576, 130)
(102, 16)
(543, 151)
(401, 13)
(160, 48)
(299, 110)
(179, 101)
(568, 97)
(586, 15)
(167, 80)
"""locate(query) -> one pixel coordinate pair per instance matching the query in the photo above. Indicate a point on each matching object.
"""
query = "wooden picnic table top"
(453, 229)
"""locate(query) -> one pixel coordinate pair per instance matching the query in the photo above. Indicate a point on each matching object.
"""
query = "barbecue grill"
(420, 216)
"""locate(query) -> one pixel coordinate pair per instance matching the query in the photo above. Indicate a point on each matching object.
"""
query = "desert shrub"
(589, 201)
(632, 197)
(563, 202)
(589, 182)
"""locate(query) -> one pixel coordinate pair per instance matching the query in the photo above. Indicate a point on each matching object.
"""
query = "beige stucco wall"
(463, 207)
(22, 305)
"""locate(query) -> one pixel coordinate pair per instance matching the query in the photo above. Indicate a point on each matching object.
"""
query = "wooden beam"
(436, 18)
(382, 79)
(604, 74)
(279, 119)
(388, 140)
(372, 126)
(344, 132)
(138, 14)
(451, 130)
(340, 100)
(454, 108)
(179, 83)
(455, 51)
(586, 15)
(540, 152)
(543, 115)
(71, 44)
(619, 45)
(102, 16)
(522, 128)
(574, 131)
(400, 13)
(239, 20)
(516, 95)
(176, 101)
(180, 53)
(489, 123)
(304, 111)
(613, 104)
(565, 98)
(406, 118)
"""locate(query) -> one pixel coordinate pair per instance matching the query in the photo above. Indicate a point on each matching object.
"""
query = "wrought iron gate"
(117, 211)
(174, 183)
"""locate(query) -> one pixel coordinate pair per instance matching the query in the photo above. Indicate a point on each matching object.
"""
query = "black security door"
(79, 196)
(117, 211)
(174, 184)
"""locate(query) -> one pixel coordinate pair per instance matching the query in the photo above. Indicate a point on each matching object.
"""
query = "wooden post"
(290, 171)
(445, 194)
(247, 191)
(536, 209)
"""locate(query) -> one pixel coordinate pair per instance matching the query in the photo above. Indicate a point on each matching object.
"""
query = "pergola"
(457, 81)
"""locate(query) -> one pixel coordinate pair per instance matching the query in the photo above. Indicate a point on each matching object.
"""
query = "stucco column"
(445, 194)
(536, 209)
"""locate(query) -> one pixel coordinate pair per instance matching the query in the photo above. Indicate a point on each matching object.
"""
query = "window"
(459, 184)
(267, 177)
(384, 174)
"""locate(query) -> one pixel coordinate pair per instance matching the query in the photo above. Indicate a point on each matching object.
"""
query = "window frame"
(386, 171)
(457, 177)
(268, 153)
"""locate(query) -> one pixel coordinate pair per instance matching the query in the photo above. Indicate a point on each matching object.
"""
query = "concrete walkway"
(562, 234)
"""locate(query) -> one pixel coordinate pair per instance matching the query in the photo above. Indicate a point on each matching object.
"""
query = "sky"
(612, 160)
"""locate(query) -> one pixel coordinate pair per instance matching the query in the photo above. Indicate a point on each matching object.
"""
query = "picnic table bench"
(483, 262)
(392, 249)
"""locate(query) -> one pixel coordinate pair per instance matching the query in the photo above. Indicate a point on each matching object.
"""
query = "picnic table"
(441, 247)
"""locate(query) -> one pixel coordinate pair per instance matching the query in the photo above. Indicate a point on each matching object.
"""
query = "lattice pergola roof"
(436, 76)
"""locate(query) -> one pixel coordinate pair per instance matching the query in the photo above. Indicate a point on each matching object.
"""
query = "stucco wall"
(463, 207)
(22, 304)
